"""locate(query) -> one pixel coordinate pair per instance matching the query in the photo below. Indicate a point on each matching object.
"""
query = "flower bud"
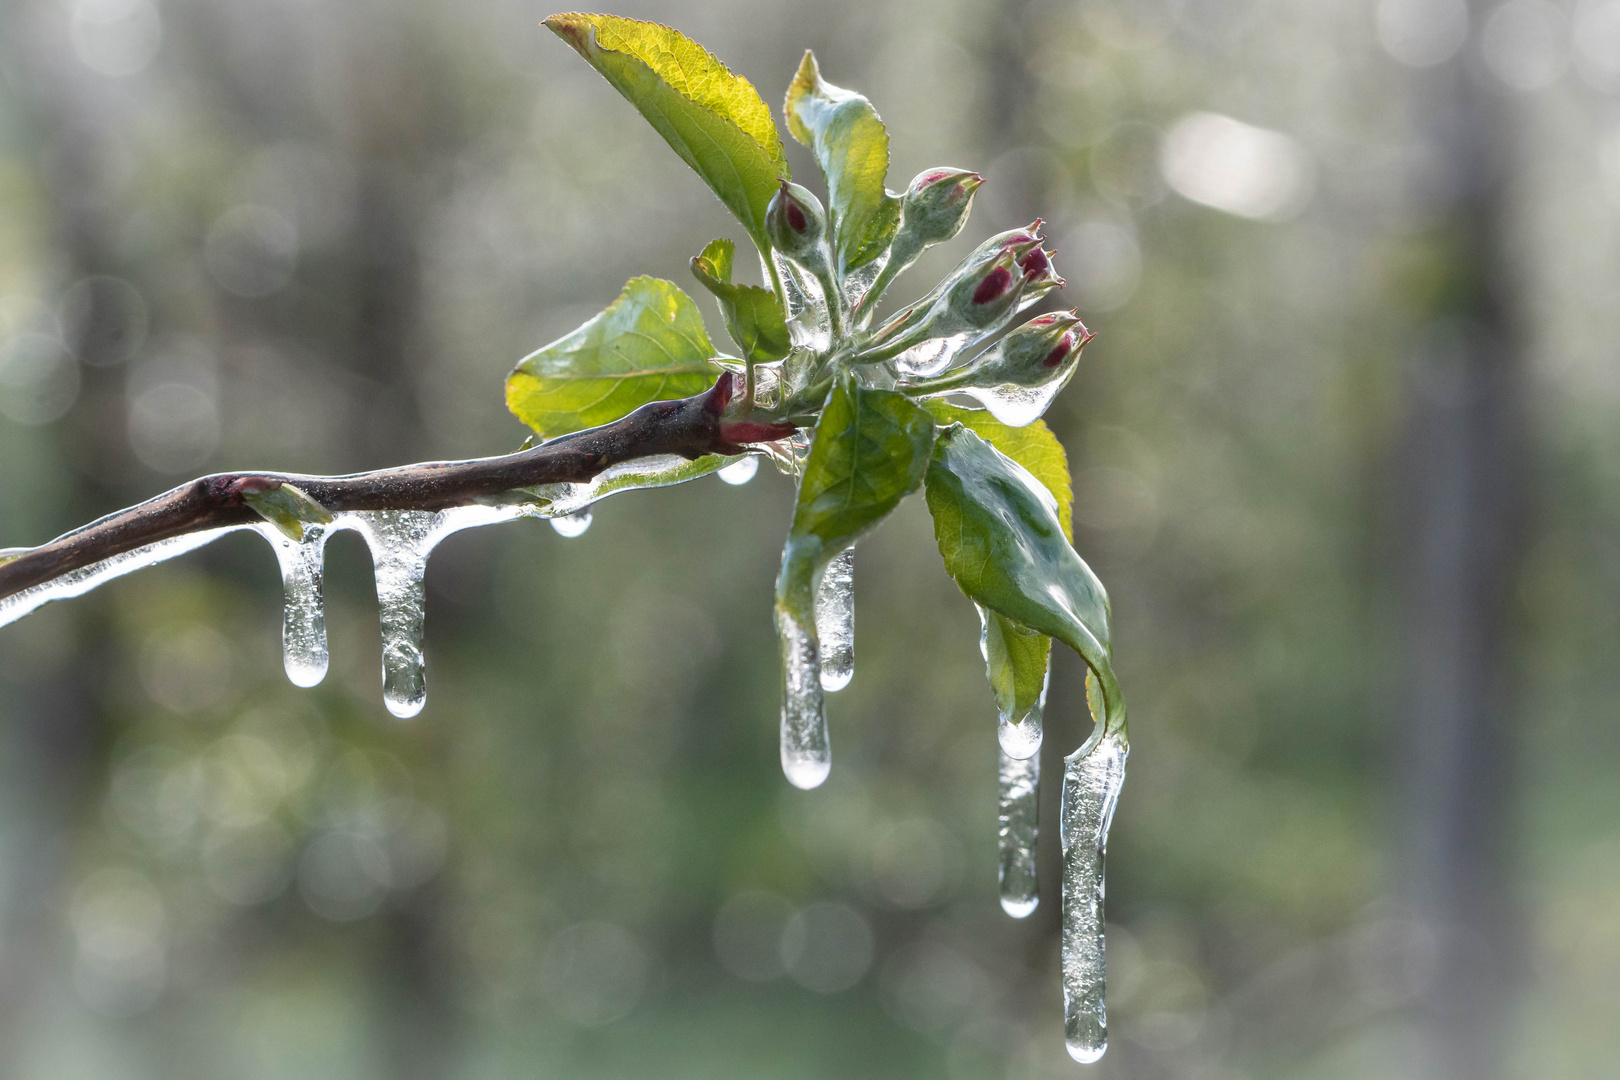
(1017, 378)
(936, 205)
(797, 226)
(1042, 350)
(980, 298)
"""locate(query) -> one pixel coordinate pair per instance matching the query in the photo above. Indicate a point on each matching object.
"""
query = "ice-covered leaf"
(753, 315)
(1016, 659)
(1032, 446)
(288, 508)
(715, 120)
(649, 345)
(870, 451)
(852, 147)
(998, 530)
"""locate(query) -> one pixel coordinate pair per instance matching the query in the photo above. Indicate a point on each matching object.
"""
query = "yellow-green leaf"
(649, 345)
(852, 147)
(715, 120)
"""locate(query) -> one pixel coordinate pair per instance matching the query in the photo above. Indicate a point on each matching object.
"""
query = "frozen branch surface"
(689, 427)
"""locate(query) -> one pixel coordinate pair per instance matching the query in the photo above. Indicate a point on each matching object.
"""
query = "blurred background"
(1346, 455)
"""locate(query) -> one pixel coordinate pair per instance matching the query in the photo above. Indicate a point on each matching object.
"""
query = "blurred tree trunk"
(1462, 472)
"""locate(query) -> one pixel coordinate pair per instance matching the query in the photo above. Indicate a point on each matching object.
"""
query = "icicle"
(400, 541)
(303, 610)
(835, 621)
(741, 471)
(1091, 781)
(1020, 779)
(1015, 406)
(806, 755)
(572, 525)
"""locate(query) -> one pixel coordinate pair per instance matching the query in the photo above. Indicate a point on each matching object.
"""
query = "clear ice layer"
(1019, 784)
(1092, 777)
(835, 621)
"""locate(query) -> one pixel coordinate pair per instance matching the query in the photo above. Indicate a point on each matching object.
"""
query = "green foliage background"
(599, 746)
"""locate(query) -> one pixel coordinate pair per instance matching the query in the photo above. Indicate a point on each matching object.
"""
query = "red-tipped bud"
(936, 205)
(797, 225)
(1018, 377)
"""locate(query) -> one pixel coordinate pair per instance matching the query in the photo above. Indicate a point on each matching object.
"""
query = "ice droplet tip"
(404, 708)
(1086, 1053)
(305, 675)
(806, 773)
(1020, 907)
(833, 681)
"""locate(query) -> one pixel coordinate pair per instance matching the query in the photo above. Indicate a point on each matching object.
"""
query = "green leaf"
(715, 120)
(753, 315)
(998, 530)
(288, 508)
(649, 345)
(1032, 446)
(852, 147)
(1016, 659)
(870, 451)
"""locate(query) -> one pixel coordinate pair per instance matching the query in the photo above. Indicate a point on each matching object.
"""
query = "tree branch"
(689, 427)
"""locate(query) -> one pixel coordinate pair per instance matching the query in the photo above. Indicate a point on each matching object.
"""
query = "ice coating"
(572, 525)
(303, 608)
(1019, 783)
(1092, 777)
(806, 754)
(835, 621)
(934, 355)
(78, 582)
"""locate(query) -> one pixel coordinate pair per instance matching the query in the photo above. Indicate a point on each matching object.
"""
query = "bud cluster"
(1001, 277)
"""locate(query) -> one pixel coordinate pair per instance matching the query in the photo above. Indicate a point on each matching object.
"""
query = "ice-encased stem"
(303, 609)
(1092, 777)
(806, 752)
(835, 621)
(1020, 781)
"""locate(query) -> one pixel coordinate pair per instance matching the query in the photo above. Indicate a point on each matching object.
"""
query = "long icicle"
(1020, 783)
(400, 541)
(1092, 777)
(806, 750)
(835, 621)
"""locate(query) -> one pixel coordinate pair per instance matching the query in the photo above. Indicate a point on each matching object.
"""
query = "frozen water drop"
(1092, 777)
(806, 753)
(1023, 739)
(1016, 406)
(572, 525)
(835, 621)
(1019, 784)
(303, 611)
(741, 471)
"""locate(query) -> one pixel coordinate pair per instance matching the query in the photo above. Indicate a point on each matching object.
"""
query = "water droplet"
(1019, 784)
(1016, 406)
(741, 471)
(835, 621)
(1023, 739)
(1092, 778)
(572, 525)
